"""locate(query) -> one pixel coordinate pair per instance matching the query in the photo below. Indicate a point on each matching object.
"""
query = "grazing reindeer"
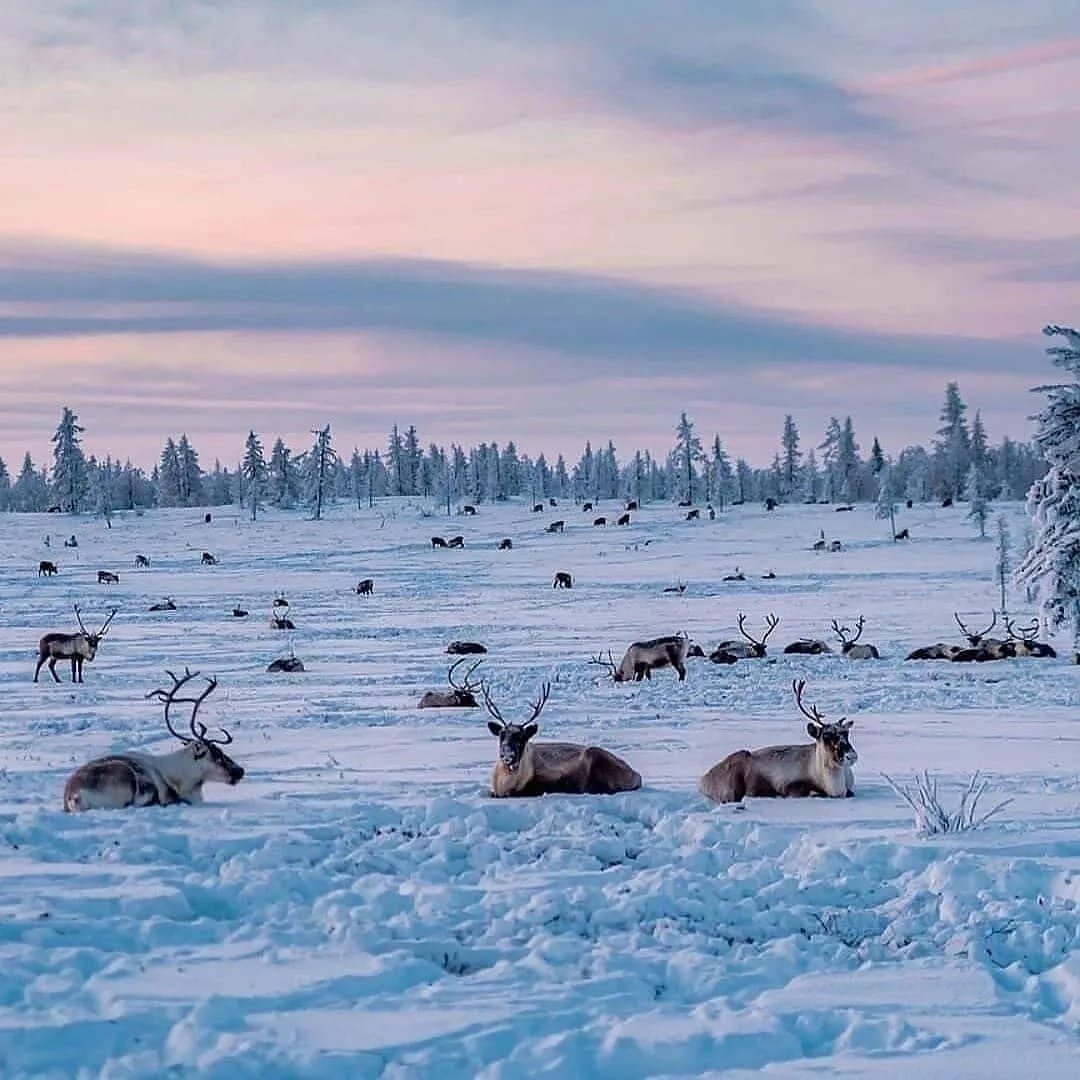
(631, 504)
(465, 648)
(642, 658)
(822, 767)
(848, 645)
(506, 544)
(438, 542)
(282, 621)
(107, 577)
(750, 649)
(600, 521)
(135, 779)
(538, 508)
(556, 526)
(680, 588)
(586, 508)
(461, 695)
(526, 769)
(562, 580)
(142, 562)
(209, 559)
(456, 542)
(365, 587)
(695, 650)
(1024, 640)
(164, 605)
(46, 568)
(623, 519)
(74, 647)
(470, 510)
(287, 664)
(737, 576)
(903, 534)
(820, 544)
(693, 515)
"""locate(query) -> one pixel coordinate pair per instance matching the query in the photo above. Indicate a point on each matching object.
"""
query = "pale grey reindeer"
(74, 647)
(750, 649)
(526, 769)
(642, 658)
(822, 767)
(138, 779)
(461, 695)
(849, 645)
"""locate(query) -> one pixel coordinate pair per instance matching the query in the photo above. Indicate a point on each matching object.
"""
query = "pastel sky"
(544, 220)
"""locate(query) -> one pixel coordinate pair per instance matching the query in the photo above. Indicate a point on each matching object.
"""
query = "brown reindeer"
(1025, 640)
(456, 542)
(980, 647)
(586, 508)
(807, 647)
(526, 769)
(209, 559)
(623, 519)
(286, 664)
(750, 649)
(562, 580)
(438, 542)
(600, 521)
(461, 695)
(823, 767)
(168, 604)
(470, 510)
(849, 646)
(642, 658)
(506, 544)
(107, 577)
(142, 562)
(556, 526)
(138, 779)
(465, 648)
(46, 568)
(631, 504)
(538, 508)
(74, 647)
(365, 587)
(693, 515)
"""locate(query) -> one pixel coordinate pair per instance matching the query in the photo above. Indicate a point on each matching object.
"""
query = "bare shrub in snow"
(931, 816)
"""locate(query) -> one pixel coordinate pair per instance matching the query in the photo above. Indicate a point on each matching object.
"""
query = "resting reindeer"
(623, 519)
(750, 649)
(282, 621)
(287, 664)
(980, 647)
(74, 647)
(506, 544)
(822, 767)
(456, 542)
(461, 695)
(107, 577)
(563, 580)
(737, 576)
(209, 559)
(438, 542)
(1024, 640)
(849, 646)
(465, 648)
(168, 604)
(808, 647)
(937, 651)
(642, 658)
(136, 779)
(527, 769)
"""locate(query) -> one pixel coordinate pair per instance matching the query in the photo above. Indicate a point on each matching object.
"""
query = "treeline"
(961, 463)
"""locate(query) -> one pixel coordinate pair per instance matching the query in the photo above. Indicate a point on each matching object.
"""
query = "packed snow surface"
(359, 906)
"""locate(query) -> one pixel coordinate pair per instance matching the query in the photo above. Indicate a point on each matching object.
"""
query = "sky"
(543, 221)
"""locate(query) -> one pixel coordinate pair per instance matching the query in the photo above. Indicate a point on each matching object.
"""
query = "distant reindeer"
(556, 526)
(680, 588)
(642, 658)
(849, 646)
(770, 576)
(468, 509)
(562, 580)
(623, 519)
(506, 544)
(631, 504)
(903, 534)
(586, 508)
(365, 587)
(465, 648)
(456, 542)
(552, 502)
(142, 562)
(771, 504)
(74, 647)
(835, 545)
(823, 767)
(980, 647)
(737, 576)
(281, 600)
(526, 769)
(71, 542)
(695, 650)
(600, 521)
(538, 508)
(693, 515)
(946, 502)
(282, 621)
(807, 647)
(137, 779)
(438, 542)
(844, 509)
(938, 651)
(208, 559)
(1025, 640)
(239, 612)
(820, 544)
(286, 664)
(461, 695)
(164, 605)
(46, 568)
(750, 649)
(107, 577)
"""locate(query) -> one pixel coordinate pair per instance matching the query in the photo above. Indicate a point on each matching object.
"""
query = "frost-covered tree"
(561, 478)
(877, 457)
(688, 453)
(810, 482)
(190, 473)
(30, 492)
(830, 455)
(1053, 563)
(395, 460)
(413, 458)
(168, 475)
(282, 483)
(952, 450)
(318, 470)
(887, 497)
(5, 487)
(1003, 565)
(70, 476)
(721, 475)
(976, 493)
(791, 455)
(255, 473)
(847, 461)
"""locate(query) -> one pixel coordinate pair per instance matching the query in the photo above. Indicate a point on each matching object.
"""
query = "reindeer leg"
(52, 669)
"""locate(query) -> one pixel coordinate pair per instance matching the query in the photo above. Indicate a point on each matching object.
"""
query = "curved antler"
(810, 712)
(538, 705)
(490, 705)
(78, 616)
(105, 624)
(169, 697)
(1026, 634)
(975, 638)
(609, 663)
(466, 686)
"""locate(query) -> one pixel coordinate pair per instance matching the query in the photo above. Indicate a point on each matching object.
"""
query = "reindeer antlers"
(466, 686)
(104, 626)
(810, 712)
(537, 706)
(974, 639)
(772, 622)
(842, 631)
(198, 730)
(609, 663)
(1027, 634)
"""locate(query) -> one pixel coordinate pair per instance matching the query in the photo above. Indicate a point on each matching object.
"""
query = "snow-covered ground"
(358, 906)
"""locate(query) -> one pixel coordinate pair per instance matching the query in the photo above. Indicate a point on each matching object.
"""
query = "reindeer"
(623, 519)
(538, 508)
(552, 501)
(74, 647)
(835, 545)
(437, 542)
(287, 664)
(465, 648)
(209, 559)
(903, 534)
(631, 504)
(136, 779)
(71, 542)
(365, 587)
(980, 647)
(45, 568)
(600, 521)
(938, 651)
(526, 769)
(642, 658)
(506, 544)
(556, 526)
(469, 510)
(807, 647)
(282, 621)
(680, 588)
(823, 767)
(750, 649)
(770, 576)
(142, 562)
(586, 508)
(239, 613)
(737, 576)
(456, 542)
(461, 695)
(281, 600)
(1024, 640)
(848, 646)
(107, 577)
(693, 515)
(820, 544)
(168, 604)
(562, 580)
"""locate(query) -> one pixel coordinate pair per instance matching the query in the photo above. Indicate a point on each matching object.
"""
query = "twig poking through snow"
(931, 818)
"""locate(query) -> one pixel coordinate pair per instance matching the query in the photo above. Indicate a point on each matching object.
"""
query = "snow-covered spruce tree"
(791, 457)
(1004, 561)
(30, 492)
(687, 453)
(254, 472)
(952, 451)
(318, 467)
(976, 493)
(5, 487)
(885, 507)
(877, 457)
(69, 475)
(283, 482)
(1052, 565)
(830, 451)
(190, 473)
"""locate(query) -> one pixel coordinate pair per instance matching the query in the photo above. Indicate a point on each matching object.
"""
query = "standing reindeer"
(46, 568)
(461, 695)
(822, 767)
(526, 769)
(848, 644)
(563, 580)
(750, 649)
(74, 647)
(365, 587)
(137, 779)
(209, 559)
(623, 519)
(438, 542)
(642, 658)
(556, 526)
(142, 562)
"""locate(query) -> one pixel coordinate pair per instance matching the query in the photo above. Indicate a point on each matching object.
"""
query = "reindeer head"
(833, 738)
(214, 762)
(93, 640)
(464, 692)
(757, 646)
(513, 738)
(974, 638)
(609, 664)
(843, 633)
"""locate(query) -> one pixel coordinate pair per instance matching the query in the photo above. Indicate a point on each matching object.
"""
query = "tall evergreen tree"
(255, 473)
(877, 457)
(976, 493)
(70, 475)
(5, 487)
(952, 451)
(790, 457)
(190, 473)
(319, 464)
(30, 492)
(282, 482)
(688, 452)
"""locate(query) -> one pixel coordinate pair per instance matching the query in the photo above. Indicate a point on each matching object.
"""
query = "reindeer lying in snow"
(822, 767)
(526, 769)
(135, 779)
(727, 652)
(461, 695)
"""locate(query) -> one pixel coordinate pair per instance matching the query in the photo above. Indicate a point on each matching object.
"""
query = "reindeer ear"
(813, 730)
(494, 727)
(529, 730)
